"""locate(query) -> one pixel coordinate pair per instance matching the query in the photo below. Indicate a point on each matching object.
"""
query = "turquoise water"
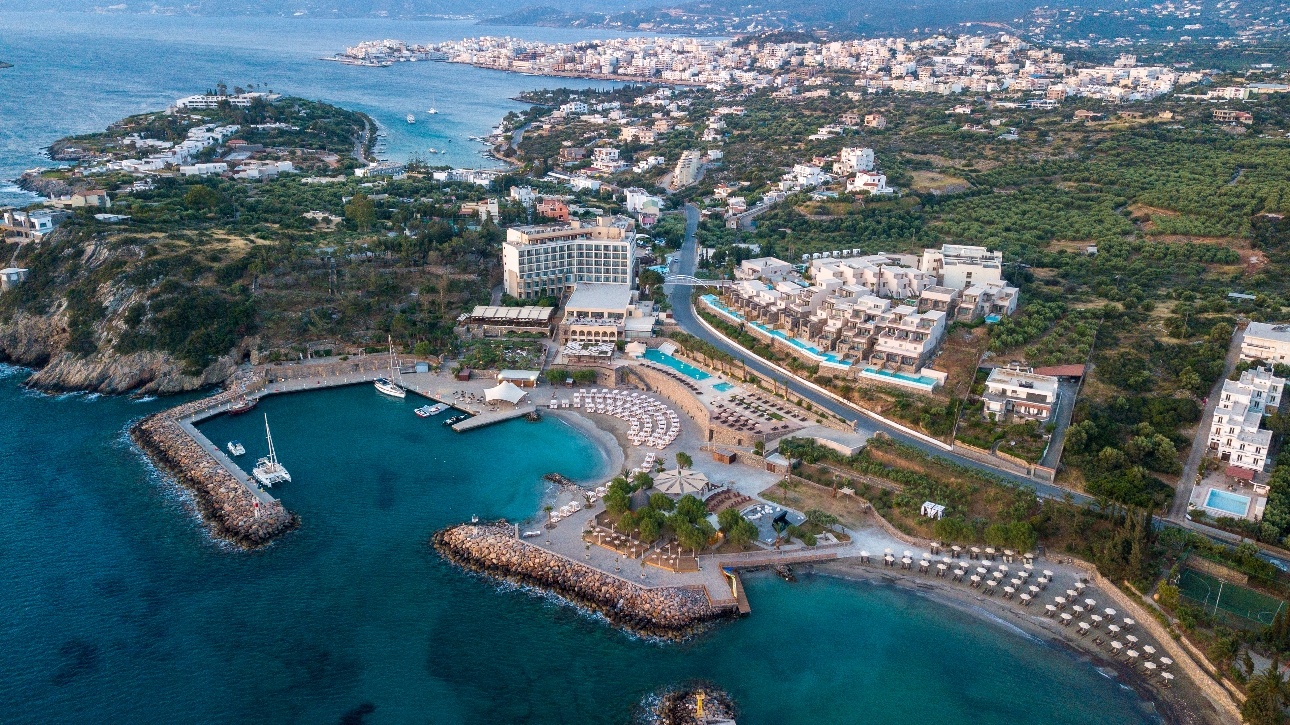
(1232, 503)
(683, 368)
(916, 379)
(813, 351)
(722, 387)
(119, 609)
(78, 72)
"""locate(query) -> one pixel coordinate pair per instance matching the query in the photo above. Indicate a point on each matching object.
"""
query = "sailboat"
(412, 118)
(390, 386)
(431, 110)
(267, 470)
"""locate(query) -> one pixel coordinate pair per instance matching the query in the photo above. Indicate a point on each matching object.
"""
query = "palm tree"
(1267, 698)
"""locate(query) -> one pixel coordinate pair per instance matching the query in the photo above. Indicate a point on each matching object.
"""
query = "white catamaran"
(391, 385)
(267, 470)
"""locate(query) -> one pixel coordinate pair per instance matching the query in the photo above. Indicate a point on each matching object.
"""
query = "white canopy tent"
(680, 481)
(508, 391)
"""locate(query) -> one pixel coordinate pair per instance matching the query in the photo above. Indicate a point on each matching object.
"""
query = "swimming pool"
(1227, 502)
(687, 370)
(722, 387)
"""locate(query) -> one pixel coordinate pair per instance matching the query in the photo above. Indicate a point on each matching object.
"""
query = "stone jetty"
(230, 510)
(492, 549)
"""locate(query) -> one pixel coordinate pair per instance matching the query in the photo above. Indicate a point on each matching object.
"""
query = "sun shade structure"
(680, 481)
(508, 391)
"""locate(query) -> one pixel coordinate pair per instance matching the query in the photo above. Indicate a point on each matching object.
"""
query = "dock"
(489, 418)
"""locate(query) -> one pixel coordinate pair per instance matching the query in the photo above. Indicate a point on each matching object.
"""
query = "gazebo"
(680, 481)
(508, 391)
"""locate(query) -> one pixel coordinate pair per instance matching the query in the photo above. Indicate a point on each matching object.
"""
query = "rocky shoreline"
(229, 510)
(493, 550)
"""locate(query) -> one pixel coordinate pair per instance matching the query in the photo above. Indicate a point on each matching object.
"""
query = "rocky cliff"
(40, 341)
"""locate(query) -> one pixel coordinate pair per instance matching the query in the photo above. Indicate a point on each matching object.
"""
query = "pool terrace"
(826, 359)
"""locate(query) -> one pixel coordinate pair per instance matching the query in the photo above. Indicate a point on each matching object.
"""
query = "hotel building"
(550, 259)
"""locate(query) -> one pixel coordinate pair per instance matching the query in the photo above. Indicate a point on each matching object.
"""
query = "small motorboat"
(235, 448)
(412, 118)
(242, 405)
(438, 408)
(423, 412)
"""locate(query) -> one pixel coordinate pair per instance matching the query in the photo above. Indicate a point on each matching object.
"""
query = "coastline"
(610, 447)
(1177, 705)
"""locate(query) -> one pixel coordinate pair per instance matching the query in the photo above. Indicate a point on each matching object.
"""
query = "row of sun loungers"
(651, 423)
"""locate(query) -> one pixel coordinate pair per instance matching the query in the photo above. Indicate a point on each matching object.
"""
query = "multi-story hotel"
(550, 259)
(1237, 435)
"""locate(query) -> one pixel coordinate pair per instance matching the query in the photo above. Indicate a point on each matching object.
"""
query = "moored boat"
(267, 470)
(423, 412)
(242, 405)
(235, 448)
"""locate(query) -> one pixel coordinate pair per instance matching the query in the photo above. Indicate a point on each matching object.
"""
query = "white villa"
(1237, 435)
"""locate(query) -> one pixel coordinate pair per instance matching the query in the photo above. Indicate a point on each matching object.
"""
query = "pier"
(491, 417)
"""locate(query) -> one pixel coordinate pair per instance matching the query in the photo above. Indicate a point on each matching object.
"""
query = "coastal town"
(941, 313)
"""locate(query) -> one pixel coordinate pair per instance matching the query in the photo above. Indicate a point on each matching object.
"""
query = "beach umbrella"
(1078, 608)
(1080, 585)
(1113, 628)
(1109, 612)
(1148, 649)
(1048, 574)
(1132, 653)
(1015, 582)
(1060, 600)
(1033, 589)
(1003, 567)
(1066, 617)
(976, 578)
(1072, 593)
(1090, 603)
(1025, 598)
(945, 560)
(981, 570)
(1051, 609)
(1168, 677)
(1129, 622)
(1117, 646)
(1165, 662)
(1010, 590)
(864, 554)
(1096, 620)
(1131, 639)
(1028, 566)
(1084, 627)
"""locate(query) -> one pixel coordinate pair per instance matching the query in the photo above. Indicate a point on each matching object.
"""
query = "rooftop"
(1266, 331)
(518, 314)
(600, 296)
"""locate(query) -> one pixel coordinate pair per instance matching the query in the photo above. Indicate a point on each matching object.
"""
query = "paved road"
(683, 310)
(1200, 443)
(1067, 392)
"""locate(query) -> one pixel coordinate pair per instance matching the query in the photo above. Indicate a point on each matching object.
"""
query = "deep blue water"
(117, 608)
(77, 73)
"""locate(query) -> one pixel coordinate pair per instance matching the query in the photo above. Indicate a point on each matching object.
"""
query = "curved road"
(683, 310)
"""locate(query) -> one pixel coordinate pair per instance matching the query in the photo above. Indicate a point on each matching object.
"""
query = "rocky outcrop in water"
(227, 507)
(492, 549)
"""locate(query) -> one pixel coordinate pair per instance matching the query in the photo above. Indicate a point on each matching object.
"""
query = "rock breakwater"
(230, 510)
(492, 549)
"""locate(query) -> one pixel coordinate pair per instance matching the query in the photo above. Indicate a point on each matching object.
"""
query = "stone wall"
(492, 549)
(229, 509)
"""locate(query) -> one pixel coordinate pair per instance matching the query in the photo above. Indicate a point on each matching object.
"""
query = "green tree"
(1267, 699)
(202, 198)
(661, 502)
(361, 211)
(683, 459)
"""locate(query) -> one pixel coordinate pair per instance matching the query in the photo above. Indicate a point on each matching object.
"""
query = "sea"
(76, 73)
(118, 607)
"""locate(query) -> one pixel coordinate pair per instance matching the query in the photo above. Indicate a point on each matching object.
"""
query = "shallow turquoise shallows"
(119, 609)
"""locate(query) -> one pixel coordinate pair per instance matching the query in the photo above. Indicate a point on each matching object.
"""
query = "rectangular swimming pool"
(1227, 502)
(687, 370)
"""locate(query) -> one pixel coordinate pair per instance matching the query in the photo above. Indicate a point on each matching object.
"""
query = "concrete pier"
(491, 417)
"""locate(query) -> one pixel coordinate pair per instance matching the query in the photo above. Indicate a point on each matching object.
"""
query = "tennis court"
(1243, 602)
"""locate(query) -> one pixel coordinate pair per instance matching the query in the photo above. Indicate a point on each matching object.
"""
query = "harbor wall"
(228, 508)
(492, 549)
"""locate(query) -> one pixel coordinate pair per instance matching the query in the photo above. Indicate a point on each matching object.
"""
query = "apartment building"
(540, 260)
(1237, 435)
(852, 160)
(906, 339)
(1267, 342)
(961, 266)
(687, 168)
(1020, 392)
(769, 269)
(882, 275)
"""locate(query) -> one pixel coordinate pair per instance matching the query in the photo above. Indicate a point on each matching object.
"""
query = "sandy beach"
(1179, 704)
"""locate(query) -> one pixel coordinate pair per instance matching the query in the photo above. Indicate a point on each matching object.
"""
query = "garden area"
(504, 354)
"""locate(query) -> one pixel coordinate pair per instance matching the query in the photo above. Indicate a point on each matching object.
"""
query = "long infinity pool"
(683, 368)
